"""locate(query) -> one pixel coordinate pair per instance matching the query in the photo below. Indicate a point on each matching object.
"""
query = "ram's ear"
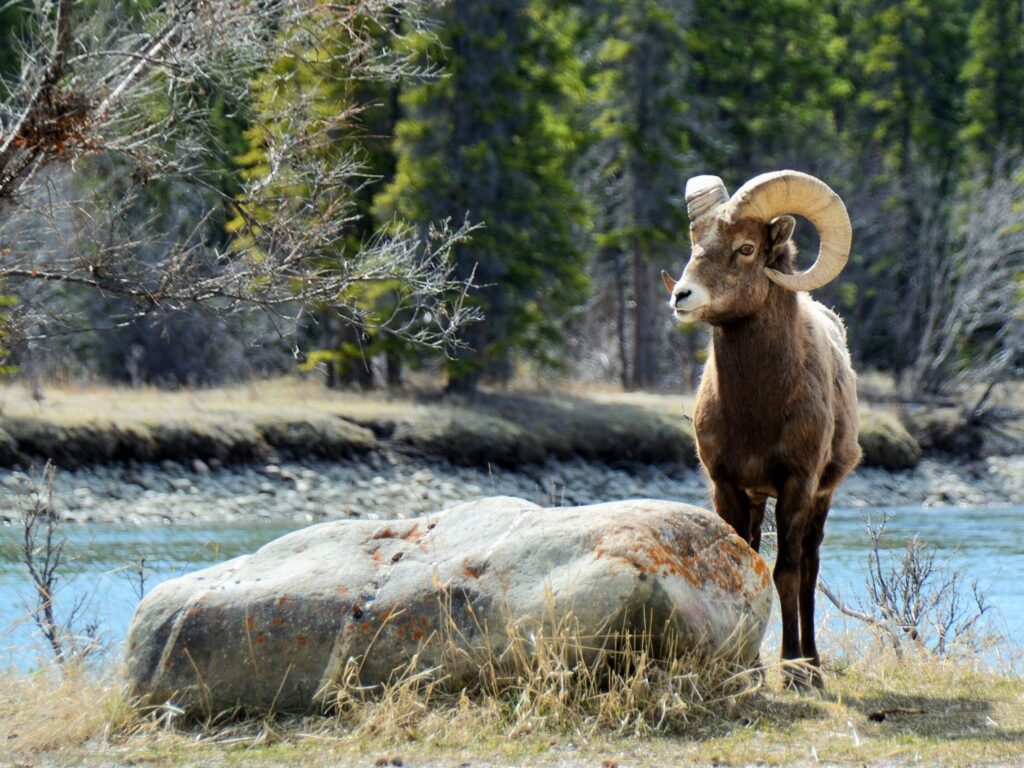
(670, 284)
(780, 230)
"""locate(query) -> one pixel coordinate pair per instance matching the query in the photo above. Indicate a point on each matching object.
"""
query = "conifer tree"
(768, 69)
(909, 57)
(638, 162)
(489, 140)
(994, 79)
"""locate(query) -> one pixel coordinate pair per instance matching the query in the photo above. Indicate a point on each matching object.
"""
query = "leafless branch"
(913, 598)
(43, 557)
(974, 329)
(111, 184)
(43, 553)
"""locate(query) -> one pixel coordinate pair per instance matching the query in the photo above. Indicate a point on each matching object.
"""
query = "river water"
(986, 544)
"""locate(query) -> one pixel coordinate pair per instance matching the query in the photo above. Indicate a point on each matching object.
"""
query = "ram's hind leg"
(810, 563)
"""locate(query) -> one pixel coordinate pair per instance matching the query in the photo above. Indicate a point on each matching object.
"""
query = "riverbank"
(301, 421)
(290, 449)
(396, 485)
(877, 709)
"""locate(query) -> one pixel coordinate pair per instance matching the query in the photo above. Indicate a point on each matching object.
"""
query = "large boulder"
(276, 629)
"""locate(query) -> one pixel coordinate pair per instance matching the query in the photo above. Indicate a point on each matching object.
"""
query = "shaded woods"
(374, 179)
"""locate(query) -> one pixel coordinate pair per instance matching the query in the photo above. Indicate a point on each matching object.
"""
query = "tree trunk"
(465, 371)
(355, 370)
(646, 294)
(393, 367)
(620, 317)
(329, 342)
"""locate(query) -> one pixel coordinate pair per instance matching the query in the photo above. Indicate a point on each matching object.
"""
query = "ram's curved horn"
(703, 195)
(772, 194)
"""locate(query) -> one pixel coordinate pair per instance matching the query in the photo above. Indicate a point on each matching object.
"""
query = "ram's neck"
(758, 359)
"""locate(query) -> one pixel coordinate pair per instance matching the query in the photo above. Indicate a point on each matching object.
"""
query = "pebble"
(397, 486)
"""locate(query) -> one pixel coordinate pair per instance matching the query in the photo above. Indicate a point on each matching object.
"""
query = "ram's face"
(725, 278)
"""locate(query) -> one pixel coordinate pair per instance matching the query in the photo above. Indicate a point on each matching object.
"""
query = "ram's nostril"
(681, 296)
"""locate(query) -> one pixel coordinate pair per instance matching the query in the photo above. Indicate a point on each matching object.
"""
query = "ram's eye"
(746, 249)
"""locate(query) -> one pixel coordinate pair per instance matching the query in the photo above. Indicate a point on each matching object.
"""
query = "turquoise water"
(986, 544)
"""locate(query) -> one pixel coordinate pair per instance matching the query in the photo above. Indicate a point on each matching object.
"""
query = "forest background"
(485, 191)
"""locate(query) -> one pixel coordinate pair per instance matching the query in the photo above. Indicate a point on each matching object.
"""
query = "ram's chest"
(745, 447)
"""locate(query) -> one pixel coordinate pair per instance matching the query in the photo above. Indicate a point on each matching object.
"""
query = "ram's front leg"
(791, 514)
(733, 505)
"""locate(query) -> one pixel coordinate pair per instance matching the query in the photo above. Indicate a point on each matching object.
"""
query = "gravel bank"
(398, 486)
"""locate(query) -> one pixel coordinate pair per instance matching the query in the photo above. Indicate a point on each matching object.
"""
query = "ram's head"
(741, 245)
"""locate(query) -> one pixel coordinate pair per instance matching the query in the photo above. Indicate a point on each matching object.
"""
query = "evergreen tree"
(11, 19)
(909, 55)
(489, 140)
(637, 165)
(349, 123)
(768, 69)
(994, 79)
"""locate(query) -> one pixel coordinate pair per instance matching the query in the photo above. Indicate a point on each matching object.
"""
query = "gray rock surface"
(278, 628)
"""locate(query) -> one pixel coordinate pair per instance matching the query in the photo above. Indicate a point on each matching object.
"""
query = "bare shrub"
(916, 600)
(973, 332)
(72, 638)
(114, 185)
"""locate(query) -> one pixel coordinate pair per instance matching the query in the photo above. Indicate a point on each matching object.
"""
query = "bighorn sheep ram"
(776, 410)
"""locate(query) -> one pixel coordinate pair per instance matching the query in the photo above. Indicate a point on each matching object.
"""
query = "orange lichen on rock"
(709, 557)
(761, 568)
(412, 534)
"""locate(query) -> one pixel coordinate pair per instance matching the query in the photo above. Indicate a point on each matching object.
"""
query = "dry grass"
(548, 701)
(548, 677)
(242, 423)
(295, 416)
(54, 709)
(76, 405)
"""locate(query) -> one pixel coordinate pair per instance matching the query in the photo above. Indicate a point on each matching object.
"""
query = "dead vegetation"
(547, 678)
(914, 600)
(71, 636)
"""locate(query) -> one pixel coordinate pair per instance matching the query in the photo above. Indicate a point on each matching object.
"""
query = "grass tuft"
(548, 678)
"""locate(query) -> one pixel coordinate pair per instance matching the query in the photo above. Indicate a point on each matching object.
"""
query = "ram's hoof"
(801, 675)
